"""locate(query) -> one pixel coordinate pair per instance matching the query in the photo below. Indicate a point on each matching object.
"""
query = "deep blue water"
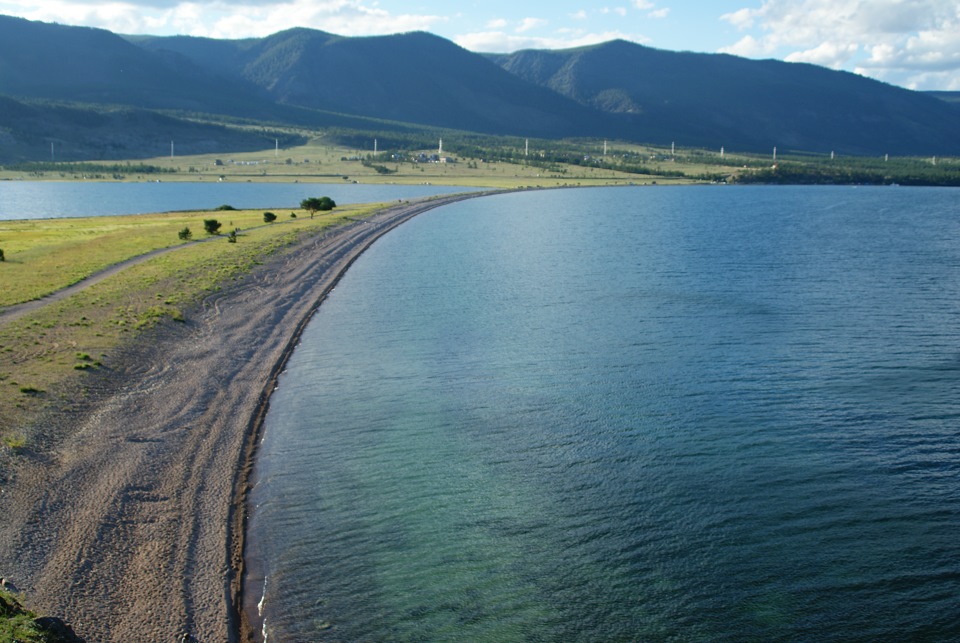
(52, 199)
(626, 414)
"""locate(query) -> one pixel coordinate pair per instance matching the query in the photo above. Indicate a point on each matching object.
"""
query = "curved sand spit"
(133, 529)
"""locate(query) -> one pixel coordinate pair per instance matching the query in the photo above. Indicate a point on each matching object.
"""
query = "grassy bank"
(46, 355)
(20, 625)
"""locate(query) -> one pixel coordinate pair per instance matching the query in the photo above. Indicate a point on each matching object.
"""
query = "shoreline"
(241, 626)
(133, 525)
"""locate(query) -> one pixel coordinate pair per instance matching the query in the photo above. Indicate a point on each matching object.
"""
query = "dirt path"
(132, 529)
(18, 310)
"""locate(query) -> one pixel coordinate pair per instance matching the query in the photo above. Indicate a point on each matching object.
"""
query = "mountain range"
(308, 78)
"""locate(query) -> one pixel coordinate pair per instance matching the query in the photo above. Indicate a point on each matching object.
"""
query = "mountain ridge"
(619, 90)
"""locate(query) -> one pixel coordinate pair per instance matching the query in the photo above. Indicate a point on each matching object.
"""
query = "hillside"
(715, 100)
(414, 77)
(408, 82)
(41, 131)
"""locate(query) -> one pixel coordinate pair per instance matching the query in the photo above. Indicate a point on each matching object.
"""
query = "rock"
(61, 631)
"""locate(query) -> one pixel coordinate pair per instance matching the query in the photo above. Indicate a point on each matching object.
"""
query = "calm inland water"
(626, 414)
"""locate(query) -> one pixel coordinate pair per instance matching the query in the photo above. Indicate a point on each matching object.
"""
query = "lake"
(699, 413)
(621, 414)
(52, 199)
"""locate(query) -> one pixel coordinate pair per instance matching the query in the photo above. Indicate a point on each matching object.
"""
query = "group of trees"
(212, 226)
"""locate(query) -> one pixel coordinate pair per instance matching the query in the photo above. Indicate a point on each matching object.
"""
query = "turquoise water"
(691, 413)
(52, 199)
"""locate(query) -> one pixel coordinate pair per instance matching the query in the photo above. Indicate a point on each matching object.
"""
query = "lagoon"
(53, 199)
(690, 413)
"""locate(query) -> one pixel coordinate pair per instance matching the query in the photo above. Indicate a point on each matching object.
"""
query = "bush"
(185, 234)
(212, 226)
(232, 237)
(225, 207)
(269, 217)
(2, 257)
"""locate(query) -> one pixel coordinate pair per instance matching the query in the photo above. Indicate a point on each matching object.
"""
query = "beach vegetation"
(45, 350)
(185, 234)
(15, 441)
(211, 226)
(20, 625)
(269, 217)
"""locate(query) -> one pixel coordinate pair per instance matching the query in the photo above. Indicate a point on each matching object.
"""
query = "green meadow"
(45, 354)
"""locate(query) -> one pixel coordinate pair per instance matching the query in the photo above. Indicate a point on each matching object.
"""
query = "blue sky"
(913, 43)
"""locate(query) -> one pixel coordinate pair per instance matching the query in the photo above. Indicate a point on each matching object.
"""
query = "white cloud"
(901, 41)
(651, 9)
(579, 15)
(223, 18)
(826, 54)
(500, 42)
(528, 24)
(620, 11)
(497, 23)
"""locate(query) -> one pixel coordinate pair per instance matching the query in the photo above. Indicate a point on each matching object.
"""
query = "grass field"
(53, 348)
(322, 162)
(45, 255)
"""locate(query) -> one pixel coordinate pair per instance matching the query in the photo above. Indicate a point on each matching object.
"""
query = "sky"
(911, 43)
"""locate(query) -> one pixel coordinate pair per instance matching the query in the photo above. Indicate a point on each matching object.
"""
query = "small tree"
(185, 234)
(318, 204)
(232, 237)
(2, 257)
(211, 226)
(269, 217)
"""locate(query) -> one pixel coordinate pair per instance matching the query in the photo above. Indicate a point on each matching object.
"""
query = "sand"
(131, 528)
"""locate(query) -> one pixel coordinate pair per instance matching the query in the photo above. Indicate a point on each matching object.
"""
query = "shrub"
(212, 226)
(15, 441)
(269, 217)
(225, 207)
(232, 237)
(185, 234)
(2, 257)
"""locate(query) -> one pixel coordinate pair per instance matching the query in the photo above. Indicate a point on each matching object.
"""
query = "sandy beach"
(131, 527)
